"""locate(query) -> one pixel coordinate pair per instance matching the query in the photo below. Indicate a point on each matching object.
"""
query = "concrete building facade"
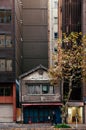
(8, 60)
(52, 32)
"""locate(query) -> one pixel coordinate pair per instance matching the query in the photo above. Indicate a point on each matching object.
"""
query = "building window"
(2, 65)
(1, 91)
(55, 20)
(5, 91)
(8, 65)
(8, 41)
(5, 65)
(55, 35)
(55, 4)
(5, 16)
(55, 49)
(39, 89)
(5, 40)
(2, 40)
(45, 89)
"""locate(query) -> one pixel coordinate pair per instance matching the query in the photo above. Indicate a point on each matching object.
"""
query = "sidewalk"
(17, 125)
(37, 126)
(78, 125)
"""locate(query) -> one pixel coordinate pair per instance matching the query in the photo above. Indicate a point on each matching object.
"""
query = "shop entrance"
(75, 113)
(40, 114)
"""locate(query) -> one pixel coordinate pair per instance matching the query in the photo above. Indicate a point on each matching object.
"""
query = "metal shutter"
(6, 113)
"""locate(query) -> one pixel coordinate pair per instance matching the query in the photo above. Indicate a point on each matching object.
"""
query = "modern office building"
(9, 58)
(35, 33)
(72, 19)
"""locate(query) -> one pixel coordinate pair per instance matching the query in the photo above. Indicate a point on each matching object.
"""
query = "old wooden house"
(38, 98)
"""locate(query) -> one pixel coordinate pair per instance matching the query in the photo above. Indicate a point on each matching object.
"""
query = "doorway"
(40, 114)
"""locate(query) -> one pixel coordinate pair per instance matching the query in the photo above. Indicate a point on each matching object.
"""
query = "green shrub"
(62, 126)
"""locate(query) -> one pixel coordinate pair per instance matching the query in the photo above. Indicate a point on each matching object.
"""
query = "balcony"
(41, 98)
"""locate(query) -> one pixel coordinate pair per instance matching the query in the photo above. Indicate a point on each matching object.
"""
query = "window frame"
(55, 4)
(5, 40)
(55, 20)
(45, 89)
(5, 92)
(55, 35)
(6, 68)
(32, 92)
(4, 17)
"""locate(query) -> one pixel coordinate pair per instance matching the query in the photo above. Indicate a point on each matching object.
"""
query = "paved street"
(15, 125)
(39, 125)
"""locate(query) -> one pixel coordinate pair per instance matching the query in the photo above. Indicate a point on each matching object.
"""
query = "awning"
(42, 104)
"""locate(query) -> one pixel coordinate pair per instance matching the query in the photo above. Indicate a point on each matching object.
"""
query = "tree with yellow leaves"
(72, 66)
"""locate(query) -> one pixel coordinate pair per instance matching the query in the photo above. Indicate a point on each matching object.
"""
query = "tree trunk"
(65, 106)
